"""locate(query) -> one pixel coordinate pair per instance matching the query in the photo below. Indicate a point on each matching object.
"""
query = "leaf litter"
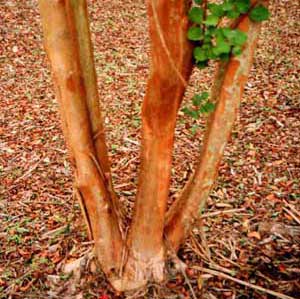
(249, 231)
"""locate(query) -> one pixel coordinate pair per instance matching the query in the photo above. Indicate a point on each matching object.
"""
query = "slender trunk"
(75, 84)
(85, 52)
(170, 68)
(227, 92)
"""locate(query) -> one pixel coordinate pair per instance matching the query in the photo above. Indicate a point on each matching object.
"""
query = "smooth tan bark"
(171, 64)
(74, 87)
(85, 51)
(227, 93)
(67, 42)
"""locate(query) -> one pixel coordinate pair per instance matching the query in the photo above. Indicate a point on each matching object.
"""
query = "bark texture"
(226, 93)
(75, 84)
(67, 41)
(171, 64)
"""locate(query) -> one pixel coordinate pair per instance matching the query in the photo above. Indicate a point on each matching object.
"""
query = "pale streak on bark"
(85, 50)
(70, 82)
(164, 94)
(226, 92)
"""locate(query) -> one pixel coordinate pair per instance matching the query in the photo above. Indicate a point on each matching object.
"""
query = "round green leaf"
(196, 15)
(221, 48)
(242, 6)
(196, 100)
(200, 54)
(211, 20)
(237, 50)
(227, 6)
(216, 9)
(204, 95)
(233, 14)
(235, 36)
(207, 107)
(259, 13)
(195, 34)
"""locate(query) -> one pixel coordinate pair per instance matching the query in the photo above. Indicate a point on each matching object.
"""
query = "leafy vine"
(215, 41)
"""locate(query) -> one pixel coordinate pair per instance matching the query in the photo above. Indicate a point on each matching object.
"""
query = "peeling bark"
(226, 92)
(68, 45)
(75, 85)
(171, 56)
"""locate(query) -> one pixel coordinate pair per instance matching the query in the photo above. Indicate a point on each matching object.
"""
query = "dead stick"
(244, 283)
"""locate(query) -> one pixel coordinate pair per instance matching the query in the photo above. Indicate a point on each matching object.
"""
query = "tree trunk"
(67, 41)
(171, 64)
(75, 83)
(227, 93)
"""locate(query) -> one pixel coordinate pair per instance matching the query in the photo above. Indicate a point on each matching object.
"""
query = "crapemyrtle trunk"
(75, 85)
(226, 92)
(171, 65)
(131, 263)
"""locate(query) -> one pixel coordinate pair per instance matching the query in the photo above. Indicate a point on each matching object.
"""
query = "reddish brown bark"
(75, 90)
(171, 63)
(68, 45)
(227, 92)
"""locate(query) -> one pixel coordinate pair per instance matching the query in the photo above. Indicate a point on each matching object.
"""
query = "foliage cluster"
(215, 41)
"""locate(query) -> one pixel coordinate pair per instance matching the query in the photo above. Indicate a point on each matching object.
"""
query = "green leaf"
(202, 64)
(204, 95)
(222, 47)
(235, 36)
(195, 33)
(198, 98)
(216, 9)
(198, 1)
(211, 54)
(233, 14)
(224, 56)
(242, 6)
(237, 50)
(200, 54)
(207, 107)
(211, 31)
(193, 113)
(211, 20)
(207, 40)
(259, 13)
(227, 6)
(196, 15)
(194, 129)
(185, 110)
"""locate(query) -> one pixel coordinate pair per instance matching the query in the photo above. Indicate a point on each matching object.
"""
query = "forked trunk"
(132, 263)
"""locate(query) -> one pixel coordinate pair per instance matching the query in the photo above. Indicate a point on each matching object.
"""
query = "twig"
(26, 174)
(54, 231)
(179, 262)
(258, 174)
(292, 215)
(292, 208)
(244, 283)
(204, 241)
(206, 215)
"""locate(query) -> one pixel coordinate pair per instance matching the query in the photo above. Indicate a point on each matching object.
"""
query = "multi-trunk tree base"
(131, 262)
